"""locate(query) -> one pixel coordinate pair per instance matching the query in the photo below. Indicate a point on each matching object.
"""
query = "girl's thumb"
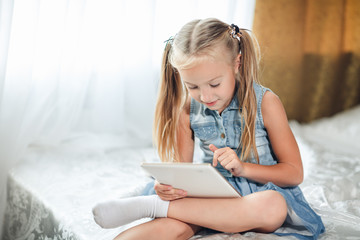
(213, 148)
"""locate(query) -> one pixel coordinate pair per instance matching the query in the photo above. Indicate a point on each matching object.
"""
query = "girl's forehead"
(204, 71)
(211, 59)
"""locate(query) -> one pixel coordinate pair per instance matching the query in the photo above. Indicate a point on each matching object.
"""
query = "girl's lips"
(210, 104)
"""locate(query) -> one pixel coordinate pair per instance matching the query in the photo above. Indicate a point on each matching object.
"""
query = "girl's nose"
(206, 96)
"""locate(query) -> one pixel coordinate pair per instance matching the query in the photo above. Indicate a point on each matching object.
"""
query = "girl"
(209, 90)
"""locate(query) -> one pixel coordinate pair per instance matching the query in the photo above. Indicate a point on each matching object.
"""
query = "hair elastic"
(169, 41)
(235, 31)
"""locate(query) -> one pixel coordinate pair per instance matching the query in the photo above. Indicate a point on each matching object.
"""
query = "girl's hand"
(167, 192)
(228, 159)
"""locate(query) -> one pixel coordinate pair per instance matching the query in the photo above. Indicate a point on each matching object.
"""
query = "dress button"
(222, 135)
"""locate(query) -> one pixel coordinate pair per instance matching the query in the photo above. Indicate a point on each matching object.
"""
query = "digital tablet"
(198, 180)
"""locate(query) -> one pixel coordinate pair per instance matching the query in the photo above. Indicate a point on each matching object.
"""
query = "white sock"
(114, 213)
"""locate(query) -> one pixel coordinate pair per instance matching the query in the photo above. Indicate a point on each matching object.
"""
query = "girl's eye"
(191, 88)
(214, 85)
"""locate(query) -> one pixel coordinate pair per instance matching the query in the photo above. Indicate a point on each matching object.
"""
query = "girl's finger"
(225, 161)
(225, 155)
(162, 187)
(171, 197)
(173, 193)
(217, 153)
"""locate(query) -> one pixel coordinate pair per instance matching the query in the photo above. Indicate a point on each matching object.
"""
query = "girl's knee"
(275, 210)
(173, 229)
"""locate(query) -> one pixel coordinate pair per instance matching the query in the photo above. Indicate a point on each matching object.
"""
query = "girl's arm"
(185, 143)
(289, 170)
(185, 138)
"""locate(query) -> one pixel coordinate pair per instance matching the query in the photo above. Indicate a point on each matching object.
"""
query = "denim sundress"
(224, 131)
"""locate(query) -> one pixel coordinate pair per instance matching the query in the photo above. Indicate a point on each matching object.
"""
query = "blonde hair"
(198, 40)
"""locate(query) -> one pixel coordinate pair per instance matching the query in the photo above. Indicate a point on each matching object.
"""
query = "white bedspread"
(51, 193)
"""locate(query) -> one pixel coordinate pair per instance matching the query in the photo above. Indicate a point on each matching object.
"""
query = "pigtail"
(248, 74)
(169, 103)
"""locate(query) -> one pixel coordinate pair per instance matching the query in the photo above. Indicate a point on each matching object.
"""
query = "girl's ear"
(237, 63)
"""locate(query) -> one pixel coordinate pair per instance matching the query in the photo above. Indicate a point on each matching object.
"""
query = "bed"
(51, 192)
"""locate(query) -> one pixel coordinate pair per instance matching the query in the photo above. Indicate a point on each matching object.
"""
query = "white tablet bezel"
(197, 179)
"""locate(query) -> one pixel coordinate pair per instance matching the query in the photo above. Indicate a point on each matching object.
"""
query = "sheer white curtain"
(78, 66)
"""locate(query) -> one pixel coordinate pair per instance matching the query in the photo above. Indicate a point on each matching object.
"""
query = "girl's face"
(211, 83)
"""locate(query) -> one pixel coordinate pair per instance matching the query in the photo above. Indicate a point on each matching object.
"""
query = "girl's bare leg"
(158, 229)
(262, 211)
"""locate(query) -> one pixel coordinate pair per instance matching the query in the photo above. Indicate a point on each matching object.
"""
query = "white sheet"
(52, 191)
